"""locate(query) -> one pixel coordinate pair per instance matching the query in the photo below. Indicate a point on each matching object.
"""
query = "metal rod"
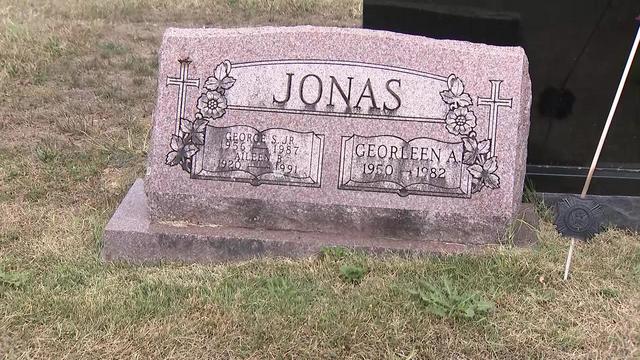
(612, 111)
(603, 137)
(567, 264)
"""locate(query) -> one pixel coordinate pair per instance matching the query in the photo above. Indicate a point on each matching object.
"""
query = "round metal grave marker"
(580, 218)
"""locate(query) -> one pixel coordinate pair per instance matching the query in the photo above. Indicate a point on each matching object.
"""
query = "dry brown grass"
(76, 94)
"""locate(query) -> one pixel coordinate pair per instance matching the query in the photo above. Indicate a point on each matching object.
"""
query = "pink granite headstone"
(278, 141)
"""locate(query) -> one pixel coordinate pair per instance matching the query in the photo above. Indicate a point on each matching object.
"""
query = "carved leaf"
(227, 82)
(464, 100)
(484, 146)
(186, 126)
(190, 150)
(450, 80)
(199, 125)
(219, 73)
(173, 158)
(469, 157)
(475, 171)
(186, 165)
(469, 143)
(176, 142)
(197, 138)
(492, 181)
(222, 70)
(456, 86)
(212, 83)
(491, 165)
(447, 96)
(476, 186)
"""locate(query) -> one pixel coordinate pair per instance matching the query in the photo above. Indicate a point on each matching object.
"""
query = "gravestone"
(279, 141)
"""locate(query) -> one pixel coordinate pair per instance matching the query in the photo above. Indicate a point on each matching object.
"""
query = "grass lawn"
(77, 82)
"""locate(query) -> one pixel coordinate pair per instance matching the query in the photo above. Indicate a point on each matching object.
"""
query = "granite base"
(131, 236)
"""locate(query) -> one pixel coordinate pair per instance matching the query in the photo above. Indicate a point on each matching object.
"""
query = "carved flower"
(460, 121)
(474, 150)
(220, 81)
(194, 130)
(180, 153)
(484, 173)
(212, 104)
(455, 96)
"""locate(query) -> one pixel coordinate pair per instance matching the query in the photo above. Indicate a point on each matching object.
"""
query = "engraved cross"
(494, 103)
(183, 82)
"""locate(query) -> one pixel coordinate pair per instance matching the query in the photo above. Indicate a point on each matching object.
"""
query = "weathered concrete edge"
(131, 237)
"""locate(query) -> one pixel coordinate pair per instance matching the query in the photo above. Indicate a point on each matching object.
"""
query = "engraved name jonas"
(338, 88)
(313, 90)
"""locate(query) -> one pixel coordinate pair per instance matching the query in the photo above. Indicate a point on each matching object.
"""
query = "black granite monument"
(577, 50)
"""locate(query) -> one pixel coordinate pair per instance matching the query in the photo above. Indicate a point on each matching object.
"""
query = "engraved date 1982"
(417, 172)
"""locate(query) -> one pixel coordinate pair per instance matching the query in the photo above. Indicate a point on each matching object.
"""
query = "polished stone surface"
(339, 131)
